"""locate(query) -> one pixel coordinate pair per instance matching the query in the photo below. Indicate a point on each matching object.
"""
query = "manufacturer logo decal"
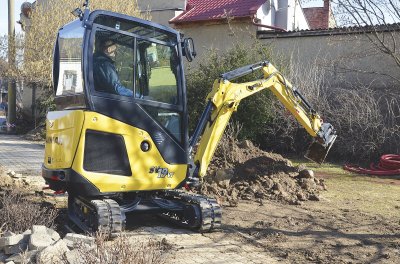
(161, 172)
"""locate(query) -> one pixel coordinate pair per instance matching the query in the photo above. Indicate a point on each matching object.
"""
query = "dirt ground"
(332, 216)
(327, 231)
(275, 206)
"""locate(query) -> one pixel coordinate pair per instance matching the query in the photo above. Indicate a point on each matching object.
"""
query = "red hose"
(389, 164)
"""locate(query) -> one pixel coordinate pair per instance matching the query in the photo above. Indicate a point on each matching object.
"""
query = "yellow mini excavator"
(118, 141)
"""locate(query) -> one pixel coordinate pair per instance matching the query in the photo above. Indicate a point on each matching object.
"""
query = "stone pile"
(42, 245)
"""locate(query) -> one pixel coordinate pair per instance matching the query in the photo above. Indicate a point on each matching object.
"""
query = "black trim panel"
(71, 181)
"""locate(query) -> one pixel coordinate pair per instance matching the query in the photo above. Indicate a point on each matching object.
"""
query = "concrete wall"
(162, 11)
(219, 36)
(161, 4)
(348, 60)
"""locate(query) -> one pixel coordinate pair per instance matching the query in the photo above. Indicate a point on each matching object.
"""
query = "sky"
(4, 15)
(310, 3)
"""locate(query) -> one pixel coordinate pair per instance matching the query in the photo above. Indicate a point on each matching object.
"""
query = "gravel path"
(20, 155)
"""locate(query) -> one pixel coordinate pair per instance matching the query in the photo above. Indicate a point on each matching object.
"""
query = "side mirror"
(188, 49)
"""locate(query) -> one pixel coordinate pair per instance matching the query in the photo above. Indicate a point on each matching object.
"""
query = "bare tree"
(378, 19)
(47, 17)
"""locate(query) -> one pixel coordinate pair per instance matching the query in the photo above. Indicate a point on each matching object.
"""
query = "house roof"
(264, 34)
(211, 10)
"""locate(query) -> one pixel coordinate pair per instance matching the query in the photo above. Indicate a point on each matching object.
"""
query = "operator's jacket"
(105, 76)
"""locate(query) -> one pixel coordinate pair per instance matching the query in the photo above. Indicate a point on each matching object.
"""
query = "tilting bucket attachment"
(317, 152)
(320, 147)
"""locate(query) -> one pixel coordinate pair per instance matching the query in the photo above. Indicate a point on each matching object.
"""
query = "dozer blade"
(317, 152)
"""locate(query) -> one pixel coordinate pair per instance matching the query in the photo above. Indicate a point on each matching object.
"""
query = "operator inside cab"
(105, 75)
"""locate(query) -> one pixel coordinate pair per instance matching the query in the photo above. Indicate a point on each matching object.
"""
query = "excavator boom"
(225, 97)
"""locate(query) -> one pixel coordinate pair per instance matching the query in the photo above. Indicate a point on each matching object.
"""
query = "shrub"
(122, 250)
(253, 112)
(18, 213)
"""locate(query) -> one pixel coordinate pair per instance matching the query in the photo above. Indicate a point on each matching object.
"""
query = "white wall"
(219, 36)
(286, 14)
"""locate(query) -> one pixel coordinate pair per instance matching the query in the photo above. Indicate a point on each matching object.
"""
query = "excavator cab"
(130, 71)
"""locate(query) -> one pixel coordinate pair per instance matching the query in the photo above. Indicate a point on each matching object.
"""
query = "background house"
(320, 17)
(220, 24)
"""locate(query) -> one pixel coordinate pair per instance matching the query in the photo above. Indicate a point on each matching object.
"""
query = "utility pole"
(12, 89)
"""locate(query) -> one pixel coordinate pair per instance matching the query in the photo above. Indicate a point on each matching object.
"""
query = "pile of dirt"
(258, 175)
(36, 134)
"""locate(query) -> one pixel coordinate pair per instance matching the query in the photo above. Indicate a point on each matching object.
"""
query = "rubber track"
(116, 216)
(211, 212)
(108, 215)
(103, 216)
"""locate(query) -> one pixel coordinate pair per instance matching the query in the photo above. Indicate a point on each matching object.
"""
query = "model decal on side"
(161, 172)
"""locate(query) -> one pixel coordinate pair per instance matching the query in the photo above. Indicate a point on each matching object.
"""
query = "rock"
(301, 167)
(246, 144)
(11, 240)
(247, 197)
(308, 174)
(224, 184)
(234, 194)
(39, 241)
(54, 235)
(27, 257)
(3, 257)
(74, 257)
(10, 262)
(313, 197)
(39, 229)
(259, 195)
(268, 183)
(223, 175)
(73, 240)
(8, 233)
(249, 190)
(308, 184)
(15, 249)
(11, 173)
(17, 175)
(53, 254)
(301, 196)
(278, 187)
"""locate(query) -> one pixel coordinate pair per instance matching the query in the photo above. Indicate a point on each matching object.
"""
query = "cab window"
(70, 80)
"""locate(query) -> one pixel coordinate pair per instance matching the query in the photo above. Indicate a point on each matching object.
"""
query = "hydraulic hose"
(388, 165)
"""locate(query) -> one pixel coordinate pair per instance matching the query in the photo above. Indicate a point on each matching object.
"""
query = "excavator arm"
(225, 97)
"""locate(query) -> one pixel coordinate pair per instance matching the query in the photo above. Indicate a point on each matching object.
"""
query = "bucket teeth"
(317, 152)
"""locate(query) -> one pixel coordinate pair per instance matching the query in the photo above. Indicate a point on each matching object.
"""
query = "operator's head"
(106, 46)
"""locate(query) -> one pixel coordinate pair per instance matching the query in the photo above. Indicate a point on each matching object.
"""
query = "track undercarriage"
(107, 214)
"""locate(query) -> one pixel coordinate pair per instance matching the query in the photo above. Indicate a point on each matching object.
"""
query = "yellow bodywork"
(226, 96)
(65, 142)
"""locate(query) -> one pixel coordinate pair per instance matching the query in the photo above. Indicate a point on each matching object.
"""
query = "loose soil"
(333, 217)
(297, 217)
(258, 175)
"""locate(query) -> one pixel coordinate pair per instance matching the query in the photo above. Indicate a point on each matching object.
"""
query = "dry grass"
(122, 250)
(375, 195)
(18, 213)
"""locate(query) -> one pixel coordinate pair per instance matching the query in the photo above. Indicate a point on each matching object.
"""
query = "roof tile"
(206, 10)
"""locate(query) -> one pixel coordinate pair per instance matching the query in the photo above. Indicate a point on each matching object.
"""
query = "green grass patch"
(376, 195)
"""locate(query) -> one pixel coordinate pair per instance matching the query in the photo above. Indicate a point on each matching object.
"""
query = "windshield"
(136, 61)
(154, 76)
